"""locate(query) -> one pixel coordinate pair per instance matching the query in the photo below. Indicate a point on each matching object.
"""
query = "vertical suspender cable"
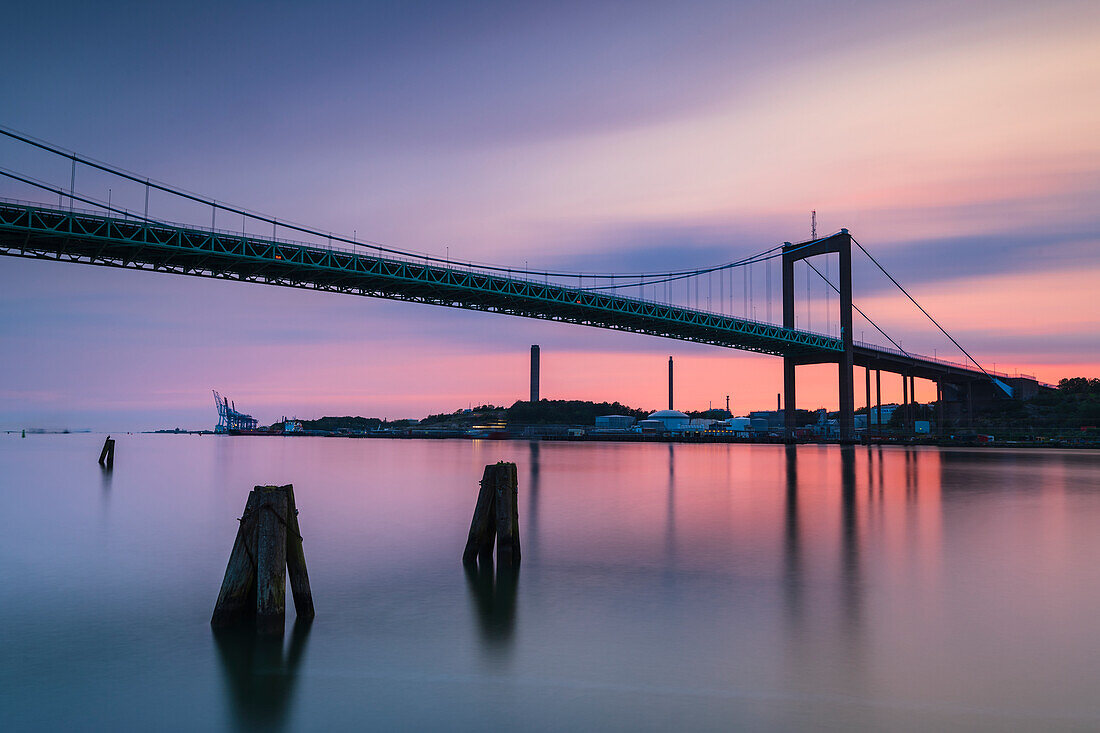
(857, 309)
(752, 302)
(768, 286)
(745, 292)
(809, 317)
(722, 292)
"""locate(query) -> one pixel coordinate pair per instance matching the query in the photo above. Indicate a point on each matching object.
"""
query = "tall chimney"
(534, 372)
(670, 383)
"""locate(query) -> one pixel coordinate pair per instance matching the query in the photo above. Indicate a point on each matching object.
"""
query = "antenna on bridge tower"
(813, 224)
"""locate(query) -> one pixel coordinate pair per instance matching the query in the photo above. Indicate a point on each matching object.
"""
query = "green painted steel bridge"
(67, 235)
(72, 236)
(120, 238)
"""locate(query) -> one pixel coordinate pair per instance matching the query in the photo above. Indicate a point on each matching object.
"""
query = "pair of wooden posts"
(496, 517)
(107, 455)
(267, 548)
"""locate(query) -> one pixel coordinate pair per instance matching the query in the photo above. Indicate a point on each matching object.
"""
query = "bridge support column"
(913, 400)
(878, 401)
(789, 414)
(847, 384)
(939, 408)
(970, 404)
(905, 401)
(840, 244)
(867, 376)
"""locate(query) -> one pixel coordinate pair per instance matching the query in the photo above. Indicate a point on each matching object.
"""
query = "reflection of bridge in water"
(114, 236)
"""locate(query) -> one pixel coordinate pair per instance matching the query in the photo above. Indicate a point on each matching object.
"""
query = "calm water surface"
(688, 587)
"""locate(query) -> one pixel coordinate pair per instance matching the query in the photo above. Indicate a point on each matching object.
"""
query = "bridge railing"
(428, 260)
(944, 362)
(367, 249)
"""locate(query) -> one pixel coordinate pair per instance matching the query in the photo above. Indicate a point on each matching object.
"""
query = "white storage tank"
(673, 421)
(738, 424)
(758, 425)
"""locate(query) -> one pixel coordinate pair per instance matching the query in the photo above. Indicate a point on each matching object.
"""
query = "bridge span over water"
(57, 234)
(110, 236)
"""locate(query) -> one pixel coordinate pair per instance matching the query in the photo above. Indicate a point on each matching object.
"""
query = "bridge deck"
(57, 234)
(43, 232)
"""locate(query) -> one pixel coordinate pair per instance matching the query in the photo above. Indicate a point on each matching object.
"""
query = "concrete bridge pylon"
(840, 244)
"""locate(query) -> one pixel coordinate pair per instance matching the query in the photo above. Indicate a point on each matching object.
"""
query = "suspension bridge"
(85, 229)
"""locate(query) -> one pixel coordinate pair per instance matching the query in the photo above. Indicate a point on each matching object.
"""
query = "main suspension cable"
(922, 310)
(81, 199)
(99, 205)
(643, 277)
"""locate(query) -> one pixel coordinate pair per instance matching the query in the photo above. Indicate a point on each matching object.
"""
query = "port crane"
(229, 420)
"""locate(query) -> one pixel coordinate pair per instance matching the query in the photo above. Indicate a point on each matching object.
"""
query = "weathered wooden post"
(506, 493)
(268, 546)
(296, 561)
(496, 518)
(107, 455)
(235, 601)
(483, 529)
(271, 531)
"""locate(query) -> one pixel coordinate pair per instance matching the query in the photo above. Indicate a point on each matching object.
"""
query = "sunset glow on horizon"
(964, 155)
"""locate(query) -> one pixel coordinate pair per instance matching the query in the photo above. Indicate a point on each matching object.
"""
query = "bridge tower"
(841, 244)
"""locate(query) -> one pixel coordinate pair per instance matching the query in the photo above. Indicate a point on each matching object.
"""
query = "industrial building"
(614, 422)
(669, 421)
(739, 426)
(887, 413)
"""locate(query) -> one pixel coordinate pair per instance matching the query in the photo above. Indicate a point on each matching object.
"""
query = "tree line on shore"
(1073, 406)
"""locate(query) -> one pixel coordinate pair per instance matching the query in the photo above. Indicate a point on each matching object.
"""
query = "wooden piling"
(271, 531)
(268, 546)
(296, 561)
(506, 496)
(483, 525)
(237, 601)
(496, 518)
(107, 455)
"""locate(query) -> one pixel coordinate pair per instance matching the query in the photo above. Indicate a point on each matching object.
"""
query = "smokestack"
(778, 404)
(670, 383)
(534, 372)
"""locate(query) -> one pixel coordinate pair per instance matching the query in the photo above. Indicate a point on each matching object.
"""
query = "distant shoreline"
(707, 439)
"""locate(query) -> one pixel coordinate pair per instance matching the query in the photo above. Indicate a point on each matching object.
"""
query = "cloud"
(948, 259)
(595, 136)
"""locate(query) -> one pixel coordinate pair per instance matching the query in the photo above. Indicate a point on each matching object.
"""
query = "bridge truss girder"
(44, 233)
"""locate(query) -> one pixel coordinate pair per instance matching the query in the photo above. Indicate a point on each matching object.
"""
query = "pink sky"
(959, 145)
